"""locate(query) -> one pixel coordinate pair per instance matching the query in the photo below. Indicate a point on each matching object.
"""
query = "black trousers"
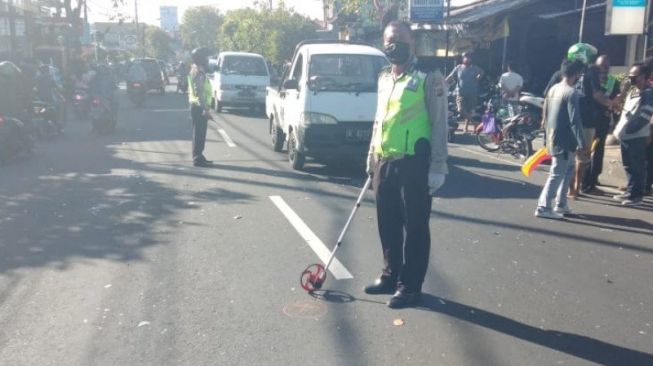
(633, 155)
(403, 208)
(649, 166)
(594, 169)
(199, 131)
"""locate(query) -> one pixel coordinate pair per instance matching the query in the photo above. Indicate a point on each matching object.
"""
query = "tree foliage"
(200, 27)
(158, 43)
(274, 34)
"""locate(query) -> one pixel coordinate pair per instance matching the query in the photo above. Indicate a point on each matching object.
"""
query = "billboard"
(426, 11)
(626, 17)
(169, 20)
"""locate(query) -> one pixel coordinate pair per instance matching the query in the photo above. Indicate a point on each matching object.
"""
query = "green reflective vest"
(193, 98)
(403, 113)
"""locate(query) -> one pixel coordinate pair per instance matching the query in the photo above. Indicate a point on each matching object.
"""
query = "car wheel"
(295, 158)
(278, 138)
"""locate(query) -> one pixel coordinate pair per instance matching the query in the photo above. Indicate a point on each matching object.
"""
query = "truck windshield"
(344, 72)
(244, 65)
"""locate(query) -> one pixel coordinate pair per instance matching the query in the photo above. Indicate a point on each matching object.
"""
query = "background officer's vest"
(193, 98)
(406, 118)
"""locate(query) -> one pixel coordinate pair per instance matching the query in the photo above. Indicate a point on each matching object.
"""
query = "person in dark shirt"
(564, 136)
(609, 86)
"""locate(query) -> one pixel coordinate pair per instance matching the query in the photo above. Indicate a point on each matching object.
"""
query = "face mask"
(397, 52)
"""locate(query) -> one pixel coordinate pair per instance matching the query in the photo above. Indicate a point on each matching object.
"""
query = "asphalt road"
(116, 251)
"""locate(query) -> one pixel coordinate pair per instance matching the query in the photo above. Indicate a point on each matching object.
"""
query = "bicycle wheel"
(489, 141)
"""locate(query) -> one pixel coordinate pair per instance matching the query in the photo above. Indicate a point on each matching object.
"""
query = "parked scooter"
(15, 139)
(102, 116)
(136, 92)
(81, 105)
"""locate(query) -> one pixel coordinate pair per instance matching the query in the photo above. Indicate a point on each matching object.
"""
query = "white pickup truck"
(325, 103)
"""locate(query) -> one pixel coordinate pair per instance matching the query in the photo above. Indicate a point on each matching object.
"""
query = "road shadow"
(612, 223)
(463, 183)
(580, 346)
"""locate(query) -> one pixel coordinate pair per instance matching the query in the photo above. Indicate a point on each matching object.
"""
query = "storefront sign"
(626, 16)
(426, 11)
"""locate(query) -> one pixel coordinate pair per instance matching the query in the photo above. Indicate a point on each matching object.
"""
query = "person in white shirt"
(511, 84)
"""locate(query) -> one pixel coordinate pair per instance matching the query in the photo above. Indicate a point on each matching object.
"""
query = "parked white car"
(240, 80)
(325, 104)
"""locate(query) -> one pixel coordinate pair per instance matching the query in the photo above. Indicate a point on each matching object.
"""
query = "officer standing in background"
(408, 162)
(199, 99)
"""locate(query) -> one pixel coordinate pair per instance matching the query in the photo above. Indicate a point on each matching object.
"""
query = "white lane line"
(226, 137)
(337, 269)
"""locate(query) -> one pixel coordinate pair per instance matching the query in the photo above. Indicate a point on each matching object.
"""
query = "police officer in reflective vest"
(408, 162)
(199, 99)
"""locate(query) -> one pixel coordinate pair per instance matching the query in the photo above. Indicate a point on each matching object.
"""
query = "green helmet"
(582, 51)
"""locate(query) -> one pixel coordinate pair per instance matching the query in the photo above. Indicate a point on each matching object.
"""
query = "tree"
(199, 27)
(158, 43)
(274, 34)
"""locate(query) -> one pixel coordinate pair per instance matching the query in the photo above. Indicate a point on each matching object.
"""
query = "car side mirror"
(291, 84)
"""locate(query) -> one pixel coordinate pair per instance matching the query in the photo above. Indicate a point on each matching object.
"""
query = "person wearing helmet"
(591, 95)
(199, 99)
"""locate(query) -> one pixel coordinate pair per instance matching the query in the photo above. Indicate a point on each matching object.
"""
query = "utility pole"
(582, 21)
(12, 28)
(138, 30)
(446, 51)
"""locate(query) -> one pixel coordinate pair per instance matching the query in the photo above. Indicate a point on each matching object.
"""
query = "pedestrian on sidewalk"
(609, 87)
(408, 162)
(467, 77)
(564, 135)
(199, 99)
(511, 84)
(633, 132)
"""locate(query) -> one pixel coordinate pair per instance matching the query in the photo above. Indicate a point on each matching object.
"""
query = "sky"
(148, 10)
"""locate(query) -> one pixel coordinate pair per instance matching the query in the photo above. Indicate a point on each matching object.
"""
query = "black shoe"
(202, 163)
(403, 299)
(382, 285)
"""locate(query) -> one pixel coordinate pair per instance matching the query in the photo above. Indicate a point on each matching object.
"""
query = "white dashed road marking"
(337, 269)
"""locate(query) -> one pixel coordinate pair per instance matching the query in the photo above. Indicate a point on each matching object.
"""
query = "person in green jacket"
(199, 99)
(408, 163)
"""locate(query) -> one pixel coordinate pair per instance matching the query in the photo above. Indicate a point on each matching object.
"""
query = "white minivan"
(240, 80)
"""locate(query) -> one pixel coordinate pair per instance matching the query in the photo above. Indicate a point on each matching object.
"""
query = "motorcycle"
(453, 117)
(81, 106)
(182, 84)
(102, 117)
(45, 120)
(136, 93)
(511, 132)
(15, 139)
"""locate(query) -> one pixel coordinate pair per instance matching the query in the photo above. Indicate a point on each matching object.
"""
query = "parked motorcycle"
(136, 92)
(81, 106)
(15, 139)
(103, 117)
(512, 133)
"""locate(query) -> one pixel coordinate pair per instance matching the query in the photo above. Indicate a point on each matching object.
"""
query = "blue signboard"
(629, 3)
(426, 11)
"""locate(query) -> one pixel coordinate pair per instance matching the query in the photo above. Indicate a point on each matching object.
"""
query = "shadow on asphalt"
(76, 200)
(542, 230)
(463, 183)
(576, 345)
